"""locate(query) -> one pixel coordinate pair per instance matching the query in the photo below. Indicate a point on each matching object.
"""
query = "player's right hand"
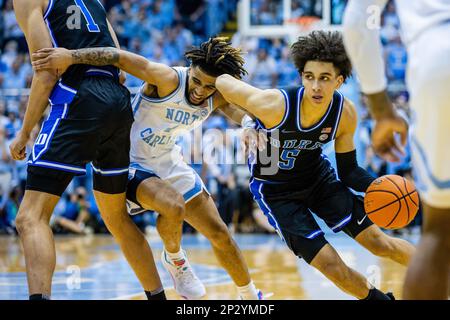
(18, 146)
(384, 134)
(58, 59)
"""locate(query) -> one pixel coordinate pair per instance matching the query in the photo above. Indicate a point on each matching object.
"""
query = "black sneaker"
(390, 295)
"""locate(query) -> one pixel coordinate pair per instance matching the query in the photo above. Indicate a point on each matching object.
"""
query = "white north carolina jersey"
(159, 122)
(417, 16)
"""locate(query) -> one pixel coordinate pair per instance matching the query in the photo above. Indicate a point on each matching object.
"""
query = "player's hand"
(58, 59)
(18, 146)
(253, 140)
(122, 77)
(384, 137)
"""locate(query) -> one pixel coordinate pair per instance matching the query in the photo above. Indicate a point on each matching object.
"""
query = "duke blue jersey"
(76, 24)
(294, 153)
(159, 122)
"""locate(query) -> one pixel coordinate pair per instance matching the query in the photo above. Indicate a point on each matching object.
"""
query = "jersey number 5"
(91, 25)
(287, 159)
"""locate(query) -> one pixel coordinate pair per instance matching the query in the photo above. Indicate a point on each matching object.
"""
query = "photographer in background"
(75, 215)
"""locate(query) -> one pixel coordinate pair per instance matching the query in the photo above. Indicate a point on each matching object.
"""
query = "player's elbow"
(45, 78)
(222, 82)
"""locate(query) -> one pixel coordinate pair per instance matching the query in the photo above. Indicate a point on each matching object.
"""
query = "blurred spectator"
(5, 169)
(15, 77)
(287, 73)
(265, 12)
(9, 54)
(191, 14)
(396, 58)
(75, 214)
(262, 70)
(11, 28)
(337, 11)
(312, 8)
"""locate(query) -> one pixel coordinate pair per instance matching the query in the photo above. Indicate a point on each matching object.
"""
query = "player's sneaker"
(390, 295)
(259, 294)
(186, 283)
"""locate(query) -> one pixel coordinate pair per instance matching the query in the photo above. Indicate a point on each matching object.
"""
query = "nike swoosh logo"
(362, 220)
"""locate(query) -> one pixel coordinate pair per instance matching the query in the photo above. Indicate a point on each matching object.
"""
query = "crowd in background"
(162, 31)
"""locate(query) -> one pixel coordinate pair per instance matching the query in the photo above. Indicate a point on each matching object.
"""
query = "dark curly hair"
(216, 57)
(325, 46)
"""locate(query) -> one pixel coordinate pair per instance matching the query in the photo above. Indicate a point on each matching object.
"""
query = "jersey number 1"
(91, 25)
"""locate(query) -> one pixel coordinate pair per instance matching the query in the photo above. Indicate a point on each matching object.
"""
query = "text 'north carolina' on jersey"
(76, 24)
(159, 122)
(293, 153)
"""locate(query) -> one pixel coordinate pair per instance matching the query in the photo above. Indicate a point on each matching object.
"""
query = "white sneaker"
(260, 296)
(186, 283)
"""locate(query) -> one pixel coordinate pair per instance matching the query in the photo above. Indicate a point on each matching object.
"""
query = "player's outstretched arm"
(362, 41)
(349, 172)
(29, 15)
(156, 74)
(267, 105)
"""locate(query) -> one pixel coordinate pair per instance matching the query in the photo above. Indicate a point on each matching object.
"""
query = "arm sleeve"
(352, 175)
(363, 44)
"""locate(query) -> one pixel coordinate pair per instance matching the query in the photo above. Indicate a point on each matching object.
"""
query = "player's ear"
(340, 81)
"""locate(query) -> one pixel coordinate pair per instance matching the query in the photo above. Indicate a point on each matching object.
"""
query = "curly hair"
(216, 57)
(325, 46)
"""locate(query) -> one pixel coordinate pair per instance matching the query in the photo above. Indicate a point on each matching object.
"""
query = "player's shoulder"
(349, 110)
(27, 5)
(349, 117)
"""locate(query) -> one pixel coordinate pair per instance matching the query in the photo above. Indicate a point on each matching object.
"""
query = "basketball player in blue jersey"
(173, 101)
(89, 121)
(425, 26)
(299, 179)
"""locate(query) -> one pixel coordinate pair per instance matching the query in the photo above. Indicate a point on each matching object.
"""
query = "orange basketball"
(391, 202)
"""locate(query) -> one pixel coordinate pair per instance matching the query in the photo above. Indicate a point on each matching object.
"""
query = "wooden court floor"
(92, 267)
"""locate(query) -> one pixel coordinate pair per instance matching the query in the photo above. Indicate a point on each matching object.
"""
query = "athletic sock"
(157, 294)
(39, 296)
(248, 292)
(175, 256)
(375, 294)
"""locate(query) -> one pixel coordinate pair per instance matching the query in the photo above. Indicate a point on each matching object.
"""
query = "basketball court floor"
(93, 268)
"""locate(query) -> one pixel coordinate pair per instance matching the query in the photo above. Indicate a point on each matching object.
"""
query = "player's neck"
(311, 113)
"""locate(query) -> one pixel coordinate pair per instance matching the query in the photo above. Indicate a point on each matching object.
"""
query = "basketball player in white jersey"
(170, 102)
(425, 26)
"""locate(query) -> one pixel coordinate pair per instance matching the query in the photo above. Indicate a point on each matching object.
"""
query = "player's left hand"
(58, 59)
(253, 140)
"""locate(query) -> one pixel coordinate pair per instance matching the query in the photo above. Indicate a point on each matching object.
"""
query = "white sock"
(248, 292)
(175, 256)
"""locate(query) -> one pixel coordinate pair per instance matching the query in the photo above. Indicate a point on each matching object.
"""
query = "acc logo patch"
(323, 137)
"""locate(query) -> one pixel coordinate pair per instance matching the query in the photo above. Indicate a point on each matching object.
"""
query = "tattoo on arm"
(96, 56)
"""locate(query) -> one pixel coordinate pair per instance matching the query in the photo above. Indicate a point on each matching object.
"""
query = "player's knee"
(116, 223)
(25, 222)
(176, 208)
(381, 246)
